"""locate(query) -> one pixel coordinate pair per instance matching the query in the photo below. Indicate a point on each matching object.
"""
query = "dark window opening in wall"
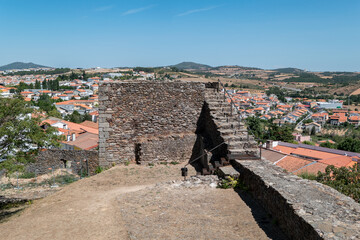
(64, 163)
(138, 152)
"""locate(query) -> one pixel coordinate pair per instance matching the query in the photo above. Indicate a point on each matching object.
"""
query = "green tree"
(307, 121)
(54, 113)
(50, 85)
(21, 135)
(74, 117)
(278, 92)
(265, 130)
(345, 180)
(283, 133)
(256, 127)
(44, 84)
(350, 144)
(84, 75)
(21, 87)
(45, 103)
(308, 143)
(57, 85)
(73, 76)
(37, 84)
(328, 144)
(87, 117)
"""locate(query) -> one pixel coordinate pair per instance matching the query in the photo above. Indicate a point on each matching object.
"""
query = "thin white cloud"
(103, 8)
(196, 11)
(136, 10)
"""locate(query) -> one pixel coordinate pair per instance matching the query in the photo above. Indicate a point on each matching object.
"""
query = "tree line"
(46, 84)
(40, 72)
(344, 180)
(266, 130)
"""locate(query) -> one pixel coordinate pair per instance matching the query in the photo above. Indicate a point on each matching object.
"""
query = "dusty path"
(125, 203)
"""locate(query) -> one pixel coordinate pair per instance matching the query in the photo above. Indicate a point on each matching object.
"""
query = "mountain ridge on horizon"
(186, 65)
(199, 66)
(21, 65)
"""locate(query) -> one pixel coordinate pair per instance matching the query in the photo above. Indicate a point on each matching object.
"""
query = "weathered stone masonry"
(148, 121)
(71, 159)
(151, 121)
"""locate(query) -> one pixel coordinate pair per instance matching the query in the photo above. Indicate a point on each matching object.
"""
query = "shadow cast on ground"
(262, 218)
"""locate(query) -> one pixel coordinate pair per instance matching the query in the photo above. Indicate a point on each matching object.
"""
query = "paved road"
(299, 125)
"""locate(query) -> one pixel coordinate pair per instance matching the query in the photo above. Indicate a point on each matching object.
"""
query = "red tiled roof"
(320, 114)
(284, 149)
(75, 102)
(90, 124)
(85, 141)
(313, 153)
(354, 118)
(74, 126)
(313, 168)
(96, 113)
(339, 161)
(291, 163)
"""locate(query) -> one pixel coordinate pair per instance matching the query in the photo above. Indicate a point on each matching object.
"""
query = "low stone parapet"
(304, 209)
(64, 159)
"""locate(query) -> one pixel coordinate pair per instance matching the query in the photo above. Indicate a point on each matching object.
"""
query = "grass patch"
(27, 175)
(307, 175)
(99, 169)
(61, 180)
(3, 187)
(231, 182)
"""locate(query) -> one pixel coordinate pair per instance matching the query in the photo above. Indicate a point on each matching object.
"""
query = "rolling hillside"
(20, 65)
(191, 65)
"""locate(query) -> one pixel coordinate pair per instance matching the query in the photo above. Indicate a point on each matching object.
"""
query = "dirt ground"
(141, 202)
(356, 92)
(339, 132)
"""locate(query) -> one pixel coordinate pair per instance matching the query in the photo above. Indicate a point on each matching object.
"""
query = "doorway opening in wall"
(137, 152)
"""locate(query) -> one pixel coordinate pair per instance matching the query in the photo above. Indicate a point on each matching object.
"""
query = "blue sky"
(313, 35)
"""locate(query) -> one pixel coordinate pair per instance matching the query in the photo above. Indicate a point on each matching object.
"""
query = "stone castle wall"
(148, 121)
(71, 159)
(303, 209)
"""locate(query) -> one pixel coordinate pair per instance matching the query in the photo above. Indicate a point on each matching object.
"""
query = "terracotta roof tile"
(291, 163)
(284, 149)
(338, 161)
(312, 168)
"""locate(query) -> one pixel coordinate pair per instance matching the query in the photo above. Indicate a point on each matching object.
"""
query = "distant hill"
(288, 70)
(191, 65)
(237, 67)
(20, 65)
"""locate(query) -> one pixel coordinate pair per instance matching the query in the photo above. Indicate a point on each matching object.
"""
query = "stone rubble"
(208, 181)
